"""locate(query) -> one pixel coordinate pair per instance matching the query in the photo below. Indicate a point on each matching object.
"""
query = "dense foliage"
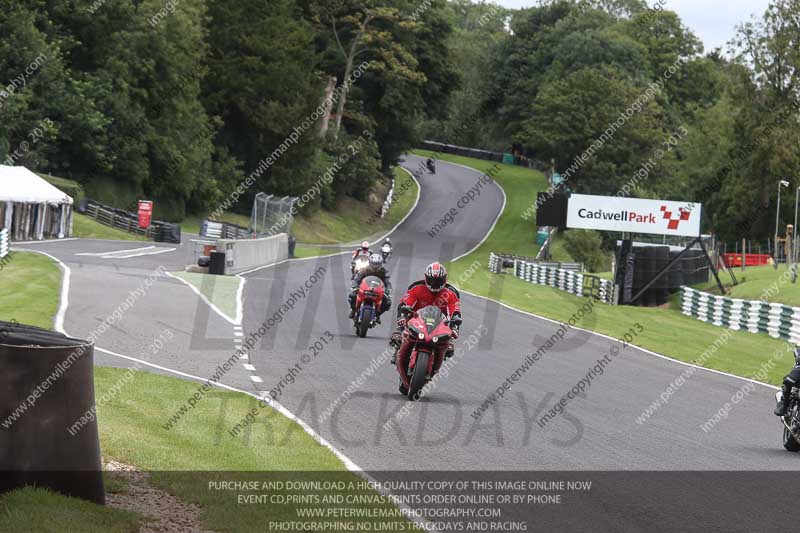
(182, 101)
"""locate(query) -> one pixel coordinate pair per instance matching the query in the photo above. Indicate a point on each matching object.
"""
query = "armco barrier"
(46, 387)
(223, 230)
(3, 242)
(123, 220)
(551, 276)
(778, 320)
(246, 254)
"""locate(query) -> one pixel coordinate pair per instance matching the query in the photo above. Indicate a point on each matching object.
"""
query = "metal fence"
(272, 214)
(556, 276)
(778, 320)
(3, 242)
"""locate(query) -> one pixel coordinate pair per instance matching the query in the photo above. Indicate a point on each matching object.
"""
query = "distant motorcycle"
(386, 251)
(791, 422)
(371, 293)
(431, 166)
(429, 337)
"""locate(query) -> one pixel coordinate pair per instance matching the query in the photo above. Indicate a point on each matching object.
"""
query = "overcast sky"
(714, 21)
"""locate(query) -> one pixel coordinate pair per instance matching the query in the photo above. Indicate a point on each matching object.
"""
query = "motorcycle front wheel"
(363, 327)
(420, 375)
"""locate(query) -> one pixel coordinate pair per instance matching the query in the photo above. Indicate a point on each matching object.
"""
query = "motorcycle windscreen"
(432, 316)
(373, 282)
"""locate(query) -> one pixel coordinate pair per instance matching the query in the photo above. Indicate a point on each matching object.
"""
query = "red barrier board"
(735, 260)
(145, 213)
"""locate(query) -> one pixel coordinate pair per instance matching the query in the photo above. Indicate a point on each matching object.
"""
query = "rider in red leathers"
(433, 290)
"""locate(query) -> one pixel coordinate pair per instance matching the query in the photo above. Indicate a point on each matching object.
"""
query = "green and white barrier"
(3, 243)
(558, 278)
(778, 320)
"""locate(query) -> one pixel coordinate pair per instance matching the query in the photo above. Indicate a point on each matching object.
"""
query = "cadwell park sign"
(634, 215)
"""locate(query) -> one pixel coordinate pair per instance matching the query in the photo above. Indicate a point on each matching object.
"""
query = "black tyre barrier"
(216, 265)
(46, 386)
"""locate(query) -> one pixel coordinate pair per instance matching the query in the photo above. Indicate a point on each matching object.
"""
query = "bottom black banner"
(487, 501)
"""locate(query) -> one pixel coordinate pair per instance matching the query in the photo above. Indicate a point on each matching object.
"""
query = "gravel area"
(161, 511)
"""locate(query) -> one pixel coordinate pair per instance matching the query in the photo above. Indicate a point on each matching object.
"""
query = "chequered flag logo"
(684, 214)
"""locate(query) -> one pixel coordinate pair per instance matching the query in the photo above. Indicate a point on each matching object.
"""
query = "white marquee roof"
(18, 184)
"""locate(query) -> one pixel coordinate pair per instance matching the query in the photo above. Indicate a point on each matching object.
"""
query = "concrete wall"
(243, 255)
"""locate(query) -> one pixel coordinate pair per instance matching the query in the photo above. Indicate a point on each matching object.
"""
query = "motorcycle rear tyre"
(789, 442)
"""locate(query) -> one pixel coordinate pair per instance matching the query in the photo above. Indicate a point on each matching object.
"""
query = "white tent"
(31, 208)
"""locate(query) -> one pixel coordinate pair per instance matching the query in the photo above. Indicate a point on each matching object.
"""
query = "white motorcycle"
(386, 251)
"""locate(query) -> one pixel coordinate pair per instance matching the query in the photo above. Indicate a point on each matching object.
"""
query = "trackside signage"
(635, 215)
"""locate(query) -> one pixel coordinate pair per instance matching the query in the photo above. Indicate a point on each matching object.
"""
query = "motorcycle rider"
(431, 165)
(362, 250)
(791, 380)
(386, 249)
(432, 290)
(376, 269)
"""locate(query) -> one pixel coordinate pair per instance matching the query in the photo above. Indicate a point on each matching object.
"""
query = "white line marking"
(251, 368)
(204, 298)
(156, 252)
(245, 357)
(240, 301)
(101, 254)
(238, 333)
(58, 320)
(256, 379)
(48, 241)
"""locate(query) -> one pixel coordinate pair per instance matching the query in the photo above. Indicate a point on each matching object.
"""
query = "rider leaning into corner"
(432, 290)
(791, 380)
(376, 269)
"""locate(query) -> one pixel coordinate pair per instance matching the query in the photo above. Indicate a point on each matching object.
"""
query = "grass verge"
(86, 227)
(28, 509)
(309, 250)
(352, 220)
(29, 289)
(219, 290)
(666, 330)
(758, 282)
(200, 449)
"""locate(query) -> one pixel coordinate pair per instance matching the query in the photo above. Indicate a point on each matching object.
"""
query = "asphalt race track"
(598, 432)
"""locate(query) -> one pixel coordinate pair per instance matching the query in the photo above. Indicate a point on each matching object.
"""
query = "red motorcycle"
(370, 296)
(425, 343)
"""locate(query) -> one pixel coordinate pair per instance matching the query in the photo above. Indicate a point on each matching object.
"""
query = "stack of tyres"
(650, 260)
(45, 445)
(677, 274)
(662, 286)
